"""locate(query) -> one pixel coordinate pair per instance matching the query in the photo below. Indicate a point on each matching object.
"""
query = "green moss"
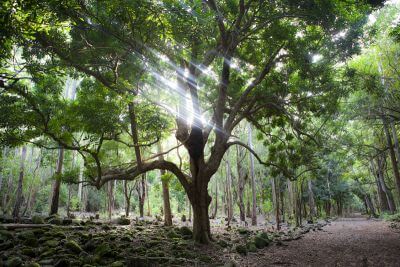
(264, 235)
(123, 221)
(223, 243)
(14, 262)
(172, 234)
(260, 242)
(51, 243)
(117, 264)
(31, 242)
(6, 235)
(73, 246)
(32, 264)
(104, 250)
(241, 249)
(185, 231)
(55, 220)
(243, 231)
(28, 252)
(37, 219)
(251, 247)
(205, 258)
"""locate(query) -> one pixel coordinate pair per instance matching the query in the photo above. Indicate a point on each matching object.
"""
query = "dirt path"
(346, 242)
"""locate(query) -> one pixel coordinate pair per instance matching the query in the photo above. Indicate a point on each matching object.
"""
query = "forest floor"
(355, 241)
(344, 242)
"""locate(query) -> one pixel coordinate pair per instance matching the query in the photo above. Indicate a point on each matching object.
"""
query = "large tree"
(221, 62)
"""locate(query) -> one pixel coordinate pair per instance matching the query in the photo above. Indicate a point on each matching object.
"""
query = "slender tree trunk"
(18, 195)
(214, 215)
(253, 183)
(110, 198)
(395, 167)
(241, 181)
(57, 183)
(140, 187)
(311, 200)
(127, 194)
(80, 185)
(165, 190)
(190, 210)
(148, 198)
(276, 198)
(228, 191)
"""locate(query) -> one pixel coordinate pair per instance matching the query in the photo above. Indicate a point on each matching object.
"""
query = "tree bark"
(387, 192)
(311, 200)
(228, 191)
(253, 183)
(110, 198)
(214, 215)
(18, 195)
(395, 167)
(241, 181)
(140, 188)
(165, 190)
(57, 183)
(127, 195)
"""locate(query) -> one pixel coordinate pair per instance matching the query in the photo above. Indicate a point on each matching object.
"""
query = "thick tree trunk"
(200, 201)
(384, 206)
(18, 195)
(370, 205)
(385, 189)
(253, 183)
(395, 167)
(57, 183)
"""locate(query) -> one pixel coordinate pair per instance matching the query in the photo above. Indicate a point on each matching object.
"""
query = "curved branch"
(134, 172)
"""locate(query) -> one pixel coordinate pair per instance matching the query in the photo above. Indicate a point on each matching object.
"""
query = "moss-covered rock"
(29, 252)
(52, 243)
(73, 246)
(14, 262)
(265, 236)
(204, 258)
(32, 264)
(117, 264)
(185, 231)
(104, 250)
(243, 231)
(251, 247)
(63, 263)
(6, 245)
(58, 234)
(36, 219)
(172, 234)
(123, 221)
(223, 243)
(31, 242)
(241, 249)
(5, 235)
(55, 220)
(260, 242)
